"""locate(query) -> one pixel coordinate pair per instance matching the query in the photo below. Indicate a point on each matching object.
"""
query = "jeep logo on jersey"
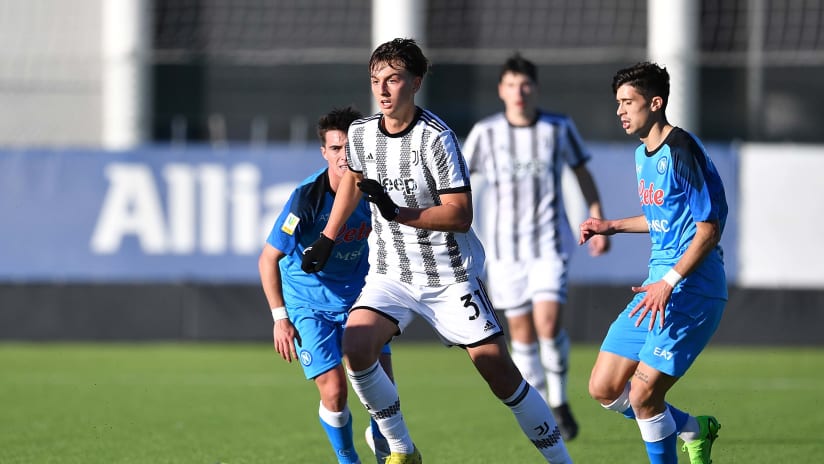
(528, 168)
(650, 196)
(406, 186)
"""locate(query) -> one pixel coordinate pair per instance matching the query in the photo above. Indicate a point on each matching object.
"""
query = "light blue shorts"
(689, 323)
(321, 333)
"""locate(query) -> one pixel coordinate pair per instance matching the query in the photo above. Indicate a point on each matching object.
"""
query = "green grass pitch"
(239, 403)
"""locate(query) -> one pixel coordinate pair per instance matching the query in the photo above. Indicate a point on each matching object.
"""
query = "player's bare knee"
(334, 401)
(598, 393)
(604, 392)
(358, 359)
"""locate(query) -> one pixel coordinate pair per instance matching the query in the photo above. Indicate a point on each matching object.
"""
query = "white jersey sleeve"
(472, 149)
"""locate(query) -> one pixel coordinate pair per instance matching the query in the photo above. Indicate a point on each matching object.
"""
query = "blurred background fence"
(262, 70)
(145, 146)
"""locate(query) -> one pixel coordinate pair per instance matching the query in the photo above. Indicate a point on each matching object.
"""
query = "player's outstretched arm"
(595, 226)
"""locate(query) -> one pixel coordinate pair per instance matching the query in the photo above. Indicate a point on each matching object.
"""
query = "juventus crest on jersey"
(416, 167)
(522, 166)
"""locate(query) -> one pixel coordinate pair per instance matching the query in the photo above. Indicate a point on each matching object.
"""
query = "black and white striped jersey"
(522, 167)
(416, 166)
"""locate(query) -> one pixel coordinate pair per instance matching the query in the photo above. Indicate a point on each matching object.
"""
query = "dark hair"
(400, 53)
(649, 79)
(519, 65)
(337, 119)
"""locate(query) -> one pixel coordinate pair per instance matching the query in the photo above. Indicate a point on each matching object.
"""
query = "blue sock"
(659, 435)
(679, 416)
(663, 451)
(376, 432)
(339, 434)
(629, 413)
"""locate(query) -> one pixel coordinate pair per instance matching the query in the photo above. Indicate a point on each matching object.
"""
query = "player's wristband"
(672, 277)
(279, 313)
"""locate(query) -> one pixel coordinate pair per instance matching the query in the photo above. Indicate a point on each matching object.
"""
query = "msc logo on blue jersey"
(658, 225)
(349, 255)
(662, 165)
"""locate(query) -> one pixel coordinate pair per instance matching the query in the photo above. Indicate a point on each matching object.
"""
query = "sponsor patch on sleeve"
(290, 223)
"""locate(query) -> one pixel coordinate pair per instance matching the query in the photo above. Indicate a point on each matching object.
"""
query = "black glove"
(316, 255)
(376, 193)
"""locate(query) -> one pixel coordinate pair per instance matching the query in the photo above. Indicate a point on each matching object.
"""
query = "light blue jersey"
(678, 185)
(300, 223)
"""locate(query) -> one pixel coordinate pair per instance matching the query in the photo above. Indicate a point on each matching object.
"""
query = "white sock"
(335, 419)
(621, 404)
(536, 421)
(380, 397)
(656, 428)
(555, 360)
(528, 360)
(690, 431)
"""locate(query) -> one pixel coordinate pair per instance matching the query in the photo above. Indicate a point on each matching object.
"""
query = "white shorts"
(515, 285)
(460, 313)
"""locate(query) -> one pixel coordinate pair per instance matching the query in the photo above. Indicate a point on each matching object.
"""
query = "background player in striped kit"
(521, 153)
(684, 211)
(312, 329)
(424, 258)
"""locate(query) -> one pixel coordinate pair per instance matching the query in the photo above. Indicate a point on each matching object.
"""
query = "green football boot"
(699, 449)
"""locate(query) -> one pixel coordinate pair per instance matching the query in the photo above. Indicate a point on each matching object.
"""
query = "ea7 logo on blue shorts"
(305, 358)
(661, 352)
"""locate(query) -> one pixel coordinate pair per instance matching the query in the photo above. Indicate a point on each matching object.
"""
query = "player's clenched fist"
(376, 193)
(592, 227)
(316, 255)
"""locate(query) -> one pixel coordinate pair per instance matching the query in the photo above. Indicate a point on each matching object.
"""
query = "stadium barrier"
(162, 242)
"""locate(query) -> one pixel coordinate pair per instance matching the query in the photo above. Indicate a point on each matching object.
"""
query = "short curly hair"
(337, 119)
(519, 65)
(649, 79)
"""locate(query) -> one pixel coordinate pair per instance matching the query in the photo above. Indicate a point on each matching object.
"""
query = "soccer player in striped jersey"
(521, 153)
(684, 211)
(424, 258)
(310, 310)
